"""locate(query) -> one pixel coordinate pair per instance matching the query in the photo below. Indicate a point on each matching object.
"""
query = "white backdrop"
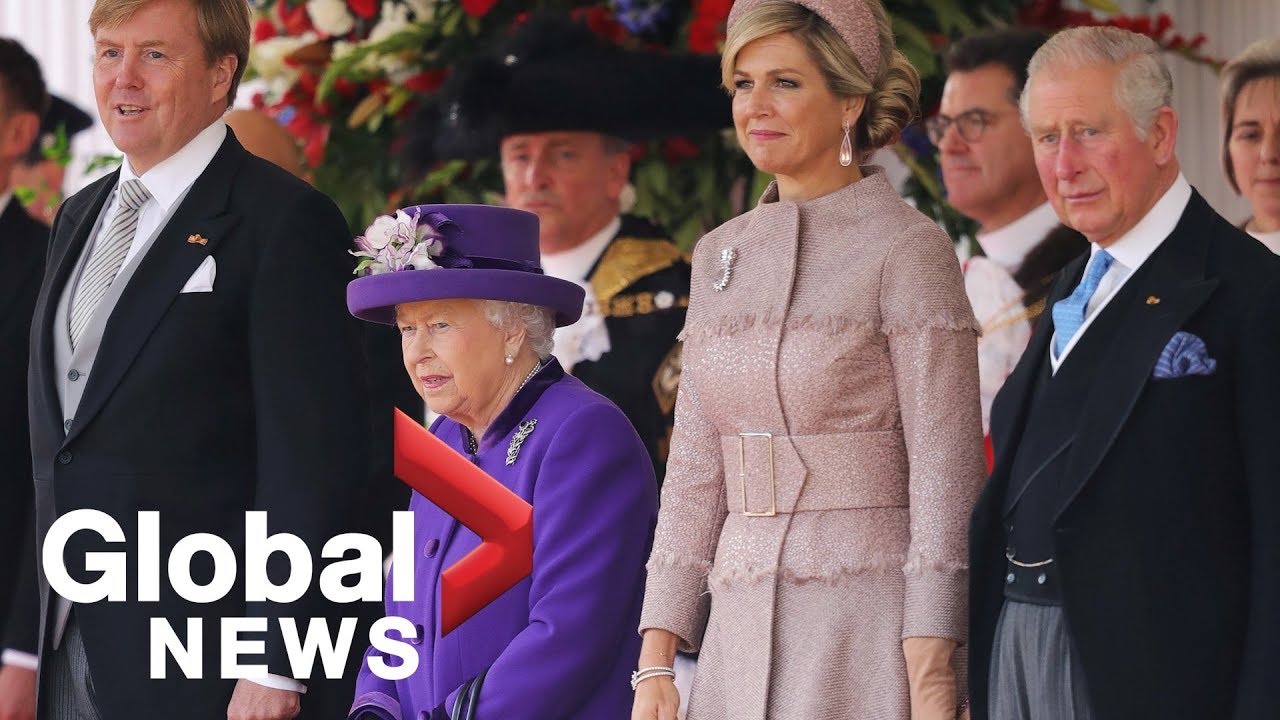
(56, 32)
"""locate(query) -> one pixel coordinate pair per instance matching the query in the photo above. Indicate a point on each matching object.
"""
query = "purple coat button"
(429, 550)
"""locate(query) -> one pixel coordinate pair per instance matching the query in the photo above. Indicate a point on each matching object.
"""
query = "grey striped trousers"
(68, 690)
(1035, 674)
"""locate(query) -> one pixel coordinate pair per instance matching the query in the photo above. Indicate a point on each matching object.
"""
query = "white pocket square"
(202, 279)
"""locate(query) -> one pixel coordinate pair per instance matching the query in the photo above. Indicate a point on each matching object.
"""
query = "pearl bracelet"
(643, 674)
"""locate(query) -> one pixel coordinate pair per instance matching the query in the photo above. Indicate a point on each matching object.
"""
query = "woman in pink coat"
(812, 536)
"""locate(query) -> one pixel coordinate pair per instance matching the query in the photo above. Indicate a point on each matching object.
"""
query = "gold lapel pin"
(1153, 300)
(197, 239)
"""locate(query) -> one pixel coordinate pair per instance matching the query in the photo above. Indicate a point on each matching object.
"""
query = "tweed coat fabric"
(844, 331)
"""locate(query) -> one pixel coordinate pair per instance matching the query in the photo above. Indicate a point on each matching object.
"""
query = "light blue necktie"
(1069, 312)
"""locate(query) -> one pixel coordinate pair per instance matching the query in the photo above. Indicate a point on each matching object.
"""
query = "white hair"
(1143, 85)
(537, 321)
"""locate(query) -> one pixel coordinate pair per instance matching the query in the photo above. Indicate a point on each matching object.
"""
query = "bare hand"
(656, 699)
(252, 701)
(17, 693)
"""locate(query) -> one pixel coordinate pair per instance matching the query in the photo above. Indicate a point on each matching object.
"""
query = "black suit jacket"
(1168, 540)
(639, 273)
(202, 406)
(24, 242)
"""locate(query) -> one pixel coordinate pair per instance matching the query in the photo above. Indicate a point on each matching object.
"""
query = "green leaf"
(101, 162)
(951, 18)
(915, 45)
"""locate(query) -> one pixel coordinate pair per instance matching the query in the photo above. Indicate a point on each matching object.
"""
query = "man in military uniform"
(562, 108)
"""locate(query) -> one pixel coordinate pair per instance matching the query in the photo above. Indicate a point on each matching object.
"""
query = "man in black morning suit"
(210, 371)
(24, 242)
(1125, 556)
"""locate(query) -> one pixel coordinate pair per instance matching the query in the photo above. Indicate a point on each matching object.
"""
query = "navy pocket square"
(1184, 355)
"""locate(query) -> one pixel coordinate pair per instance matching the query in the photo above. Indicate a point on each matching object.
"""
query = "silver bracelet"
(643, 674)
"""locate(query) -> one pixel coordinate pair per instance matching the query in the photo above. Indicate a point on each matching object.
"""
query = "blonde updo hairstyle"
(892, 97)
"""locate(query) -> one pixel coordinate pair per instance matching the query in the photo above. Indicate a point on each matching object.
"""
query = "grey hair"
(537, 321)
(1143, 85)
(1259, 60)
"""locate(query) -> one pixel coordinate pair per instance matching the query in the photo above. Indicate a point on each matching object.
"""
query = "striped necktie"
(1069, 312)
(108, 256)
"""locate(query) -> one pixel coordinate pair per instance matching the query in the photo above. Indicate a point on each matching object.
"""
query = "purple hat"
(438, 252)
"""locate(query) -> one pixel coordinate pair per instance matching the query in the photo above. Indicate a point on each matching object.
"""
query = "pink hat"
(854, 20)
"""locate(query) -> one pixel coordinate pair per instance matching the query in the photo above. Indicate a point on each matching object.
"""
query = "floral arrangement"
(344, 76)
(398, 242)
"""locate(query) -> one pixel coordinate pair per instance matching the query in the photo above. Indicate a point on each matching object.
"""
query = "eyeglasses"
(970, 124)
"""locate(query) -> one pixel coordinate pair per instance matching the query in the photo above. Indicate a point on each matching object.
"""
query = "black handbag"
(464, 706)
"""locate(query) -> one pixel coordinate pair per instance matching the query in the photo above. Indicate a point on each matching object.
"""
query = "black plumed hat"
(552, 73)
(59, 114)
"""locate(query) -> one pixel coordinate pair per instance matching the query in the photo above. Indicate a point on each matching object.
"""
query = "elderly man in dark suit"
(191, 355)
(24, 242)
(1126, 552)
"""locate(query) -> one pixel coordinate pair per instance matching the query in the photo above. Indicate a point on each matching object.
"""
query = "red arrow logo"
(501, 518)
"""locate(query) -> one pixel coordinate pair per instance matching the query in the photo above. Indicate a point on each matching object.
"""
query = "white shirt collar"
(4, 200)
(1008, 246)
(574, 263)
(1270, 239)
(170, 178)
(1134, 247)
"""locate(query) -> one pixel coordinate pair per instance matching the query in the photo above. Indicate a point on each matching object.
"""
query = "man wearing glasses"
(990, 176)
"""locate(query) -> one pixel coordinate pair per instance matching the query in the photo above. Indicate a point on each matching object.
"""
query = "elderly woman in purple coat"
(476, 314)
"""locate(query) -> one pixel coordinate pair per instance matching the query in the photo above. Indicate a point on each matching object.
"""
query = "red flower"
(426, 81)
(313, 151)
(345, 88)
(295, 21)
(364, 8)
(602, 22)
(679, 148)
(717, 10)
(307, 83)
(478, 8)
(638, 152)
(1141, 25)
(1197, 41)
(704, 35)
(1163, 23)
(264, 29)
(1177, 42)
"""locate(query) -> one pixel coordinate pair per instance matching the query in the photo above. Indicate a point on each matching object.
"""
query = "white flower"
(267, 57)
(421, 258)
(331, 17)
(380, 232)
(395, 18)
(341, 49)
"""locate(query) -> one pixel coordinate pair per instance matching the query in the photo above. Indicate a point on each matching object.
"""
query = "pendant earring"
(846, 147)
(510, 359)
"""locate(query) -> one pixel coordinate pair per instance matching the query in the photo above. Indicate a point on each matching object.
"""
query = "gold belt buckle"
(742, 474)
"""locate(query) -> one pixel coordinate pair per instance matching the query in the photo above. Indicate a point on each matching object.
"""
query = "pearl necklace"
(536, 367)
(472, 444)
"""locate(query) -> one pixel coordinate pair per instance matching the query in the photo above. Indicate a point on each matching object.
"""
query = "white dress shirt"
(1008, 246)
(4, 200)
(1270, 239)
(167, 182)
(1130, 251)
